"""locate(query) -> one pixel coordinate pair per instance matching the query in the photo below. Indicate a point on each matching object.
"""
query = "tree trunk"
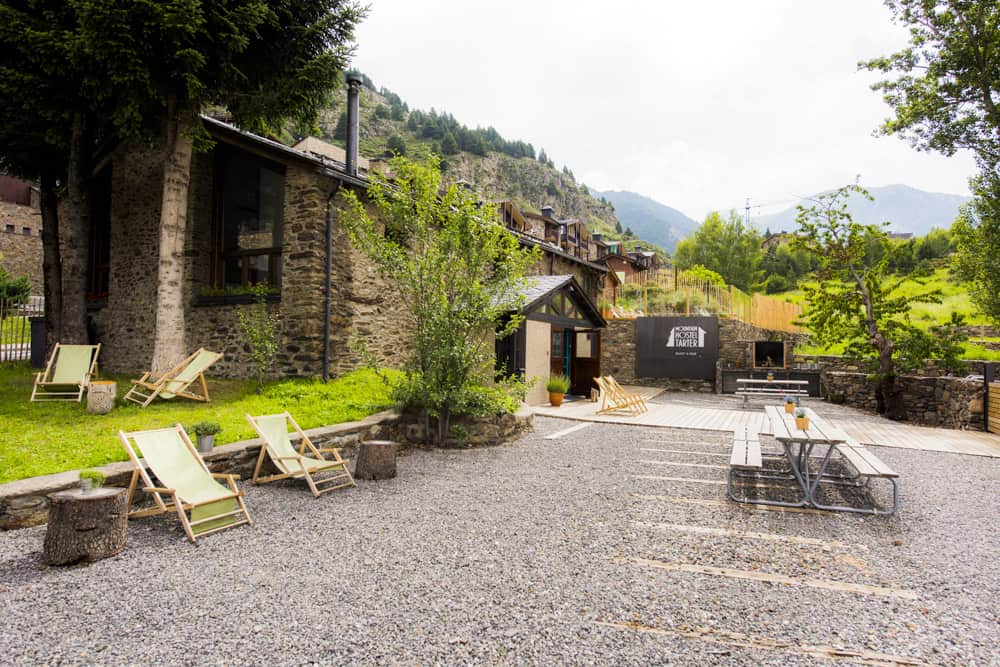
(86, 526)
(74, 232)
(51, 262)
(889, 399)
(169, 340)
(376, 460)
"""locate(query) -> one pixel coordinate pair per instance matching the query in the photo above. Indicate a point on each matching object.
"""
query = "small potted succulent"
(557, 386)
(91, 479)
(801, 420)
(789, 404)
(205, 432)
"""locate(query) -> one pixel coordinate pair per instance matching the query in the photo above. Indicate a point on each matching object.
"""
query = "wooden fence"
(673, 292)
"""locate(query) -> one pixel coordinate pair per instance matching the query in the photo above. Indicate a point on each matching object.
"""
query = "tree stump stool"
(101, 395)
(86, 526)
(376, 459)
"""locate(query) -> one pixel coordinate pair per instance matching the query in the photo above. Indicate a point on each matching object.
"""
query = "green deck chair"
(70, 366)
(185, 483)
(273, 430)
(176, 381)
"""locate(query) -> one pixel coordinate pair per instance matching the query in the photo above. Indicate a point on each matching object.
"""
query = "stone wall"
(21, 250)
(618, 359)
(933, 401)
(25, 503)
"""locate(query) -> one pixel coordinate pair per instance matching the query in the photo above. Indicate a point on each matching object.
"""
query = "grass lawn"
(42, 438)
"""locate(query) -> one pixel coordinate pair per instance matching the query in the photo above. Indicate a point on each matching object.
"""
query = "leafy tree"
(708, 275)
(977, 240)
(264, 61)
(382, 112)
(13, 291)
(459, 275)
(396, 145)
(728, 247)
(946, 90)
(853, 301)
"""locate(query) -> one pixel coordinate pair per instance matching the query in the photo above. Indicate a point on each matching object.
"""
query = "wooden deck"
(868, 431)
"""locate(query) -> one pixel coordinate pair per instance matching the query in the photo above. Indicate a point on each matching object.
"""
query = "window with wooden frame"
(250, 202)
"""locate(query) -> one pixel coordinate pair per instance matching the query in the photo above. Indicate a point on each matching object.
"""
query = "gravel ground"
(536, 552)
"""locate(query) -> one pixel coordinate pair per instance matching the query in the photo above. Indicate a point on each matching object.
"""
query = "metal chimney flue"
(353, 92)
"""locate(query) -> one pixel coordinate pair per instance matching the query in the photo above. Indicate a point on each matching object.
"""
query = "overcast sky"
(696, 104)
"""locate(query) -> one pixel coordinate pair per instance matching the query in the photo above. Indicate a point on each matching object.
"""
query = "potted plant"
(91, 479)
(789, 404)
(205, 432)
(557, 386)
(801, 420)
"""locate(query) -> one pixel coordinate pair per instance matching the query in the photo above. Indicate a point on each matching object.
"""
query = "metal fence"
(673, 292)
(15, 328)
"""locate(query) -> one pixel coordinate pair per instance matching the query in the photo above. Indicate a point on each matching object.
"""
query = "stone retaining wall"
(25, 502)
(933, 401)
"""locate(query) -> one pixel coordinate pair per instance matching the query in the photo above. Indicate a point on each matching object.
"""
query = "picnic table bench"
(747, 387)
(747, 461)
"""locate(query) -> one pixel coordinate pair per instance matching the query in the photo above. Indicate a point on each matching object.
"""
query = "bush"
(13, 291)
(96, 477)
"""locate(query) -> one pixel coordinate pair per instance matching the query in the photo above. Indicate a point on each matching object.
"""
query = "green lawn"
(42, 438)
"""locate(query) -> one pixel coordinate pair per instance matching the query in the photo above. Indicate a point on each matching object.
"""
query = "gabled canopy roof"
(561, 300)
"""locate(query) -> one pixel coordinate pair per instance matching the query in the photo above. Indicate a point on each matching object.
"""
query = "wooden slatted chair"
(303, 463)
(186, 485)
(615, 400)
(69, 369)
(176, 381)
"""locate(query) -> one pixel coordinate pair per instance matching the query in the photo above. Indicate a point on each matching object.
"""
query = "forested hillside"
(650, 219)
(496, 167)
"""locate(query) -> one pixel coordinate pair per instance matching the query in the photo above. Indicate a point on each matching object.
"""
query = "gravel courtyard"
(607, 545)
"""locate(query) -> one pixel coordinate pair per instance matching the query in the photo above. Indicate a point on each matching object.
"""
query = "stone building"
(21, 231)
(257, 213)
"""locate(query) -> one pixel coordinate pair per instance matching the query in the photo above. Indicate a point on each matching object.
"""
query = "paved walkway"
(711, 412)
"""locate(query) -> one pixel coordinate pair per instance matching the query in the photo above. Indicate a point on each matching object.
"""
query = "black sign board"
(676, 347)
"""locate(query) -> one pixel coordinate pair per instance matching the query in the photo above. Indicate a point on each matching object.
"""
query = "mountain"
(906, 209)
(649, 219)
(495, 167)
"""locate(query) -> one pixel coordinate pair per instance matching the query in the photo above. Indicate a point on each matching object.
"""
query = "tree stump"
(376, 459)
(86, 526)
(101, 395)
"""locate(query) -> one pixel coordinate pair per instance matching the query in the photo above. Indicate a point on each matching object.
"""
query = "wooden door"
(586, 360)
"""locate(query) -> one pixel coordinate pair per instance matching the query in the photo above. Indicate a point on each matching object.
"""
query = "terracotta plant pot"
(789, 408)
(555, 399)
(802, 423)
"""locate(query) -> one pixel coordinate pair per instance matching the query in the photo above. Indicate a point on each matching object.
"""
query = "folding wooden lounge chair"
(185, 483)
(639, 399)
(273, 430)
(70, 366)
(176, 381)
(615, 400)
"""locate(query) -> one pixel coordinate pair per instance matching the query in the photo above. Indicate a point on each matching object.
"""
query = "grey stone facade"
(21, 243)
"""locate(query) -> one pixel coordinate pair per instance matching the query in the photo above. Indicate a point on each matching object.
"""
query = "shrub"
(557, 384)
(205, 428)
(260, 333)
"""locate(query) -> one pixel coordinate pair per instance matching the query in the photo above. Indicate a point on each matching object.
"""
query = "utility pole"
(748, 212)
